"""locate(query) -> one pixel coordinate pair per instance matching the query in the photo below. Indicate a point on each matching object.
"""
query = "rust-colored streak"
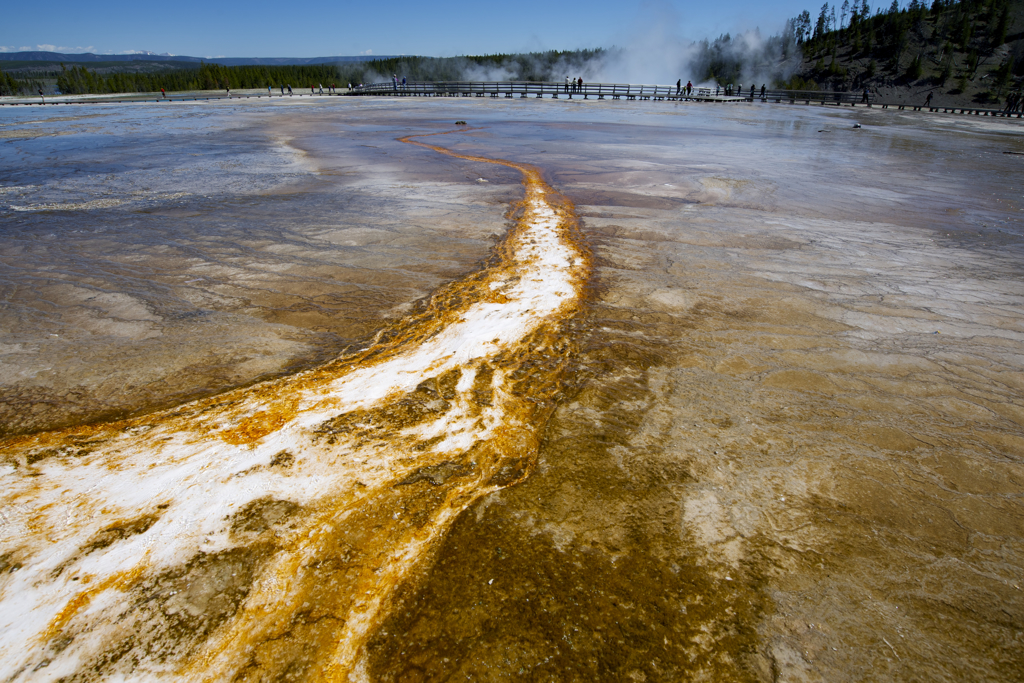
(253, 428)
(359, 592)
(118, 581)
(323, 572)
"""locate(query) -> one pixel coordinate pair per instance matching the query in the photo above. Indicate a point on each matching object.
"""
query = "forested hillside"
(968, 51)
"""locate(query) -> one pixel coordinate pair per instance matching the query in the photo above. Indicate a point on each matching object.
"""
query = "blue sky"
(315, 28)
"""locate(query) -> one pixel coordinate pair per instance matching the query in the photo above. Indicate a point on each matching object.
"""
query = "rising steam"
(653, 51)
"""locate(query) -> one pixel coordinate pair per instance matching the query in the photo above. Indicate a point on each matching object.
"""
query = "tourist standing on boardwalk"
(865, 97)
(762, 91)
(689, 88)
(928, 100)
(679, 86)
(566, 84)
(579, 84)
(163, 94)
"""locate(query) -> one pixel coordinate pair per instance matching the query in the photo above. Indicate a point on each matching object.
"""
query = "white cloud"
(47, 48)
(366, 52)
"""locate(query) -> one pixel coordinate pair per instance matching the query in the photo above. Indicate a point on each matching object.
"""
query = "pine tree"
(915, 69)
(947, 70)
(820, 26)
(999, 33)
(1003, 74)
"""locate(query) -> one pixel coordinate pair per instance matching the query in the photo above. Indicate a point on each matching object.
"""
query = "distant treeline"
(10, 85)
(78, 79)
(541, 66)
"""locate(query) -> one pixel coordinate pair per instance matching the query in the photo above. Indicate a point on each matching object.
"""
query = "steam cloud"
(654, 51)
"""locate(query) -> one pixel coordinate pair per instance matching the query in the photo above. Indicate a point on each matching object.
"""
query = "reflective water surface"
(778, 435)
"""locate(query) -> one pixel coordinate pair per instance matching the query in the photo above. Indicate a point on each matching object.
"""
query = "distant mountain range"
(56, 57)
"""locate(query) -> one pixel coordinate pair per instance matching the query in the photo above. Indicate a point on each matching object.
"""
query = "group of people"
(752, 94)
(687, 90)
(728, 90)
(394, 80)
(684, 90)
(576, 85)
(332, 88)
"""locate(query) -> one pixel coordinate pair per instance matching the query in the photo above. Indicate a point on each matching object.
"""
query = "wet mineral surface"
(787, 442)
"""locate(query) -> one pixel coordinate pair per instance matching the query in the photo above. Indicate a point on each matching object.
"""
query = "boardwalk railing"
(633, 91)
(854, 98)
(630, 91)
(510, 89)
(599, 90)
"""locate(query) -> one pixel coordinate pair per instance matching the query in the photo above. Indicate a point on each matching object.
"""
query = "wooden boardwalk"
(629, 91)
(525, 89)
(530, 89)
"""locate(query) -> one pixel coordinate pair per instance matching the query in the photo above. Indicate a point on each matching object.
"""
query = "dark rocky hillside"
(968, 53)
